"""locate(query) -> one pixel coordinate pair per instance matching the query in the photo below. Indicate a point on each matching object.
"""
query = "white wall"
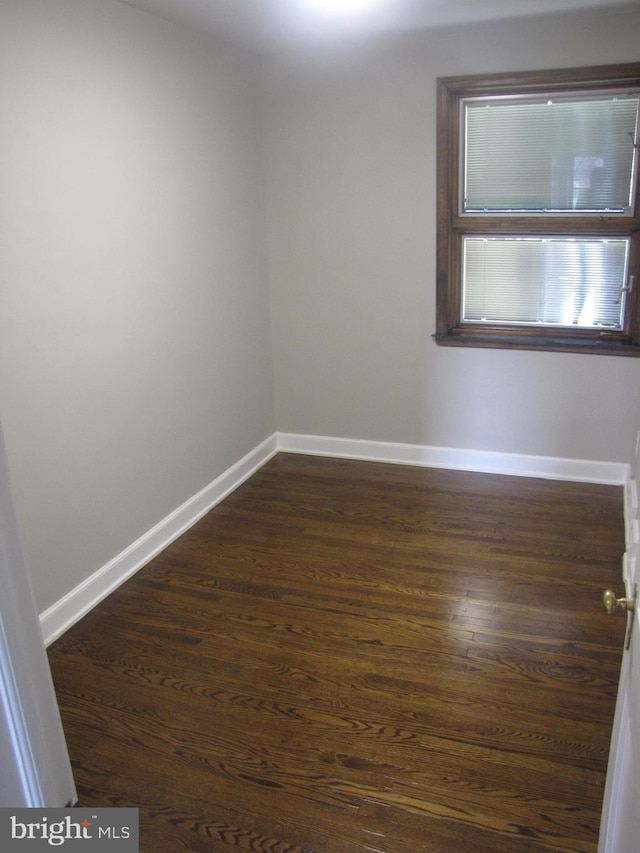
(351, 192)
(135, 352)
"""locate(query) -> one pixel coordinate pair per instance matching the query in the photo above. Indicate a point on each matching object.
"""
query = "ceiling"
(268, 25)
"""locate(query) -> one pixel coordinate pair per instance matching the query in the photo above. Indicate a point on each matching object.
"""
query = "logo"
(113, 830)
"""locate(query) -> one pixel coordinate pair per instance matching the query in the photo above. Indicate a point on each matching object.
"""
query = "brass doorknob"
(610, 603)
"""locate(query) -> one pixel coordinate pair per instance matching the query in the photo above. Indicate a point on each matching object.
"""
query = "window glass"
(544, 281)
(549, 154)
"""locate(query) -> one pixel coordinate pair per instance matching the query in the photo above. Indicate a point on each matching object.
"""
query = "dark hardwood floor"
(348, 656)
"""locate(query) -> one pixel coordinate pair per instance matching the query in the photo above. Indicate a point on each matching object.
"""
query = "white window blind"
(545, 281)
(557, 154)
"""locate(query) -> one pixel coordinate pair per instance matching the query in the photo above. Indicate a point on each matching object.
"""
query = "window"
(538, 241)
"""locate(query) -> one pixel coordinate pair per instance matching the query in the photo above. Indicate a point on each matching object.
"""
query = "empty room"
(320, 421)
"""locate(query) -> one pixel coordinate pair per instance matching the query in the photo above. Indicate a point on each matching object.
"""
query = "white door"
(36, 771)
(620, 824)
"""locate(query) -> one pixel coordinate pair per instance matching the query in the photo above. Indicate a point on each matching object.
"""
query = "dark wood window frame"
(452, 227)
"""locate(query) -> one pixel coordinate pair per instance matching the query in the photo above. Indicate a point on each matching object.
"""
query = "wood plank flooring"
(348, 656)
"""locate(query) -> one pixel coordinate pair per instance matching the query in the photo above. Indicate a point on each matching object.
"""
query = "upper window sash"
(553, 154)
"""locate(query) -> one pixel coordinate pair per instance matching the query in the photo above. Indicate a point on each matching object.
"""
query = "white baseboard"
(488, 462)
(73, 606)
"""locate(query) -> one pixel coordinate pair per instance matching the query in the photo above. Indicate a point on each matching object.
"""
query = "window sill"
(533, 342)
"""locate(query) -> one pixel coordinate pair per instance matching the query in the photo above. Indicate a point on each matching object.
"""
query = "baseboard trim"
(83, 598)
(489, 462)
(77, 603)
